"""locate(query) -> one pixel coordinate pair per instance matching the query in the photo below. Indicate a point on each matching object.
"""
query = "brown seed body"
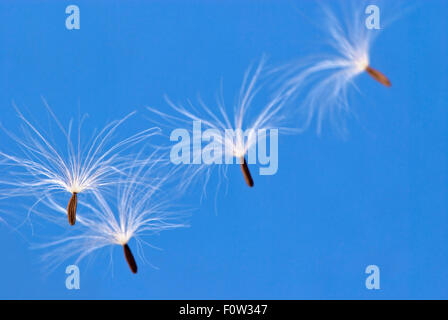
(71, 209)
(246, 172)
(378, 76)
(130, 258)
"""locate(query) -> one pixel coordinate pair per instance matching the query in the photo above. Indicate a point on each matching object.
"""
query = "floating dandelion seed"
(323, 83)
(142, 206)
(86, 166)
(230, 140)
(246, 173)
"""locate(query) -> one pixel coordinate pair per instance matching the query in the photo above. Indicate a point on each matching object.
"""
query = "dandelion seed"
(71, 209)
(142, 205)
(41, 168)
(246, 172)
(378, 76)
(234, 139)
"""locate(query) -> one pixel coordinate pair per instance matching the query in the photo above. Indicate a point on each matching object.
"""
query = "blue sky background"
(336, 205)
